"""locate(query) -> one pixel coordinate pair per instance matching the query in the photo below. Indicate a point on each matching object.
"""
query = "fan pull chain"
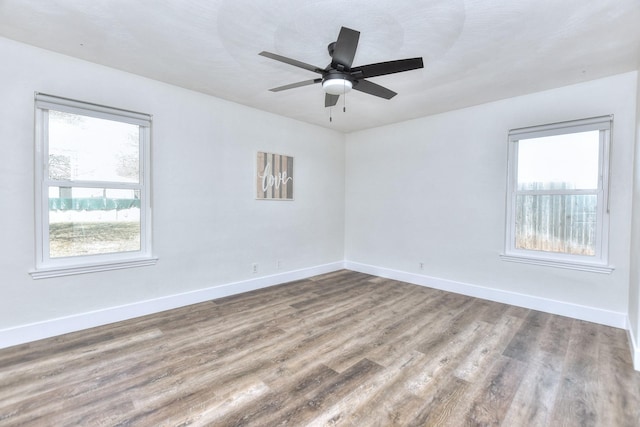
(344, 96)
(330, 114)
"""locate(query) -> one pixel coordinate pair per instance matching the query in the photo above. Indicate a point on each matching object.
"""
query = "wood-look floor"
(344, 349)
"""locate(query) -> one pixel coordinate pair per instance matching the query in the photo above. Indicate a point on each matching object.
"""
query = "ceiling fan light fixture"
(337, 86)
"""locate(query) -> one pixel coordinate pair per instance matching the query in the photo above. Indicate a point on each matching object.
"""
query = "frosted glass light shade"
(337, 86)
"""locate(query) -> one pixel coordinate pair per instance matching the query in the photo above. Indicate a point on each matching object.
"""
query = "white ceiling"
(474, 51)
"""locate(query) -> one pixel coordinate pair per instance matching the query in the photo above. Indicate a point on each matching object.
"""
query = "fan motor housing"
(339, 75)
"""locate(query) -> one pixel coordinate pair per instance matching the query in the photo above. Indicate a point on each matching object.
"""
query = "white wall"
(634, 282)
(432, 190)
(208, 227)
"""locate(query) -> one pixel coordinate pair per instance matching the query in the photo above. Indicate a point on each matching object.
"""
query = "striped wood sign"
(274, 177)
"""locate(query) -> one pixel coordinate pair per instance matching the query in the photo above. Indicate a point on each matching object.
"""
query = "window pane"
(557, 223)
(90, 149)
(559, 162)
(90, 221)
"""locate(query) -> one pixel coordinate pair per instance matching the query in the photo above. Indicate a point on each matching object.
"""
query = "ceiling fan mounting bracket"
(331, 48)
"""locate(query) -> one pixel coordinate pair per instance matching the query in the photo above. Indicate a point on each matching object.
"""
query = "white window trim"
(46, 267)
(599, 262)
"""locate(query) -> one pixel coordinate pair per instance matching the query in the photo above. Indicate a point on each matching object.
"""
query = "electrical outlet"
(254, 268)
(278, 264)
(421, 265)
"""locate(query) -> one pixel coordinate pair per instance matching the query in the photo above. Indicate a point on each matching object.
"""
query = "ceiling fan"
(339, 77)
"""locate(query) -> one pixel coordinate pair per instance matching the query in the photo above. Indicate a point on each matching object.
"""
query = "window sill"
(593, 268)
(45, 273)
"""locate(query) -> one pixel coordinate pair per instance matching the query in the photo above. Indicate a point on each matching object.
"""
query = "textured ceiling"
(474, 51)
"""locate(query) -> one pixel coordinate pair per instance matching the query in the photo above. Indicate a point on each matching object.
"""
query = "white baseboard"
(590, 314)
(633, 346)
(50, 328)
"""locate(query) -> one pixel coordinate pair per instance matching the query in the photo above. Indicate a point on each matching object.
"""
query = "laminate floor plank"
(459, 316)
(545, 354)
(378, 400)
(492, 399)
(326, 314)
(19, 379)
(577, 400)
(534, 398)
(443, 406)
(527, 337)
(554, 340)
(318, 400)
(339, 349)
(443, 360)
(424, 382)
(482, 356)
(332, 336)
(286, 393)
(380, 324)
(421, 325)
(615, 401)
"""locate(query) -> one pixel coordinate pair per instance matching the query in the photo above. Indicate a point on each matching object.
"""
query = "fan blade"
(345, 48)
(374, 89)
(294, 85)
(292, 62)
(390, 67)
(330, 100)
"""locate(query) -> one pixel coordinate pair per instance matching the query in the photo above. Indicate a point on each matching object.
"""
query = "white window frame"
(598, 263)
(52, 267)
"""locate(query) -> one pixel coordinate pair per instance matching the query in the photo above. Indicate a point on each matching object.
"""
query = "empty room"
(349, 213)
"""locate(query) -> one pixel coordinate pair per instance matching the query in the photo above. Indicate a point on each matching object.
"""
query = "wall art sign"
(274, 177)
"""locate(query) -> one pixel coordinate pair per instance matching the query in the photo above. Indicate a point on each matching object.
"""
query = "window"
(557, 203)
(92, 188)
